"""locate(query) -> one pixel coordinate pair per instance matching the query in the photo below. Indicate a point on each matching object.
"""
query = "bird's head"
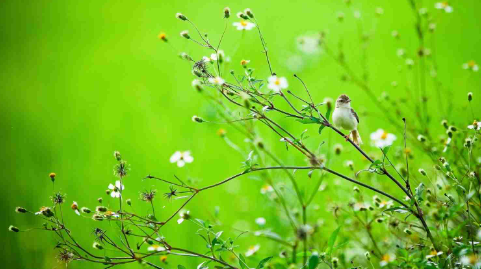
(343, 101)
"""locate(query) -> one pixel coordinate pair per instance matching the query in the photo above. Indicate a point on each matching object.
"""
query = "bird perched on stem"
(346, 118)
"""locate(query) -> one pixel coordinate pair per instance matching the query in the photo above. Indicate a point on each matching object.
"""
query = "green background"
(80, 79)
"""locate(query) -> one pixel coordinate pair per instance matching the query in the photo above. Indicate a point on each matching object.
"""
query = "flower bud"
(445, 124)
(97, 217)
(328, 102)
(437, 167)
(86, 210)
(421, 138)
(468, 142)
(368, 255)
(379, 220)
(356, 189)
(74, 206)
(249, 13)
(241, 15)
(472, 174)
(20, 210)
(226, 12)
(422, 172)
(221, 132)
(407, 231)
(101, 209)
(100, 200)
(197, 85)
(245, 98)
(181, 16)
(197, 119)
(453, 129)
(96, 245)
(470, 96)
(185, 34)
(340, 16)
(13, 229)
(52, 176)
(186, 56)
(335, 262)
(117, 155)
(163, 36)
(108, 191)
(337, 149)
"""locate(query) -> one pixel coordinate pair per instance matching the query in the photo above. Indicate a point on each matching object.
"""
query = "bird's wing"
(355, 115)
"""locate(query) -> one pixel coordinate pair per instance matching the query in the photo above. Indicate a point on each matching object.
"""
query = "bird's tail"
(356, 138)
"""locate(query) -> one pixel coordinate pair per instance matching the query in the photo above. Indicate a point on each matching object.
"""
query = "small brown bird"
(346, 118)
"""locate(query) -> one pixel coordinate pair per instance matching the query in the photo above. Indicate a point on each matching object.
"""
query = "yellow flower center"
(471, 63)
(277, 82)
(163, 258)
(243, 23)
(445, 4)
(475, 123)
(384, 135)
(386, 258)
(162, 36)
(473, 259)
(433, 252)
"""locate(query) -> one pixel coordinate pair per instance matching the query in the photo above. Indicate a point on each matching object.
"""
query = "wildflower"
(261, 221)
(277, 84)
(65, 256)
(110, 214)
(384, 203)
(387, 258)
(74, 207)
(217, 81)
(121, 169)
(475, 126)
(14, 229)
(184, 215)
(185, 34)
(86, 210)
(181, 16)
(249, 13)
(221, 132)
(163, 258)
(226, 12)
(252, 250)
(244, 25)
(163, 36)
(52, 176)
(181, 158)
(266, 188)
(20, 210)
(148, 196)
(116, 190)
(382, 139)
(98, 246)
(400, 53)
(197, 119)
(444, 5)
(46, 211)
(433, 253)
(244, 62)
(472, 260)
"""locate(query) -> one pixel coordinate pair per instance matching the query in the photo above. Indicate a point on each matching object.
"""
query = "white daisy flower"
(252, 250)
(471, 65)
(277, 84)
(382, 139)
(156, 248)
(217, 81)
(472, 260)
(244, 25)
(116, 190)
(184, 215)
(387, 258)
(386, 204)
(309, 44)
(266, 188)
(74, 207)
(261, 221)
(181, 158)
(445, 6)
(433, 254)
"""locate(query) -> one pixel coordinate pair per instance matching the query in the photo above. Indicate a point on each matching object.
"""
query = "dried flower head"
(121, 169)
(65, 256)
(172, 192)
(148, 196)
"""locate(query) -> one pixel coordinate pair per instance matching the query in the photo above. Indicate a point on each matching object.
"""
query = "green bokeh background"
(80, 79)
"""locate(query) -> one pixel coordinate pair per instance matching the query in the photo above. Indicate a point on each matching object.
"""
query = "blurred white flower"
(277, 84)
(309, 44)
(74, 207)
(181, 158)
(433, 254)
(261, 221)
(156, 248)
(387, 258)
(115, 190)
(266, 188)
(214, 56)
(252, 250)
(472, 260)
(445, 6)
(184, 215)
(471, 65)
(217, 81)
(386, 204)
(381, 138)
(244, 25)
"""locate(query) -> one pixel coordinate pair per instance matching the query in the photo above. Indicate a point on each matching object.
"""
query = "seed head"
(249, 13)
(117, 156)
(181, 16)
(148, 196)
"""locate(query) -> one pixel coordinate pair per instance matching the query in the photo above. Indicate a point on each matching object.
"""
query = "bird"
(346, 118)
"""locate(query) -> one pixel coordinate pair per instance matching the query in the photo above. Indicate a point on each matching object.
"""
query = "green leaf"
(242, 262)
(313, 261)
(419, 192)
(385, 150)
(398, 209)
(263, 262)
(309, 120)
(321, 128)
(332, 240)
(181, 267)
